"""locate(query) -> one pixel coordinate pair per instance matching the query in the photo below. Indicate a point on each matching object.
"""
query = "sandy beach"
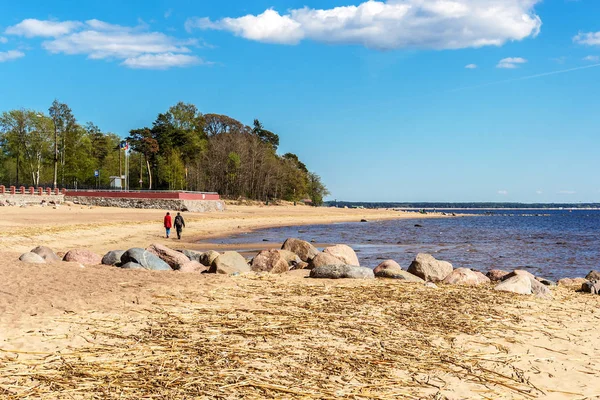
(72, 331)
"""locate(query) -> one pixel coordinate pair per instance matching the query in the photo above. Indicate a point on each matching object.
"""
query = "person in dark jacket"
(167, 224)
(179, 225)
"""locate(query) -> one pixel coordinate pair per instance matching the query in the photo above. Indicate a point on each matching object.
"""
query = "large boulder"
(193, 266)
(270, 261)
(496, 275)
(32, 258)
(208, 257)
(592, 287)
(592, 276)
(303, 249)
(571, 282)
(426, 267)
(83, 256)
(113, 257)
(46, 253)
(132, 265)
(462, 276)
(341, 272)
(483, 279)
(230, 262)
(291, 258)
(519, 272)
(399, 275)
(344, 253)
(144, 258)
(192, 255)
(519, 284)
(172, 257)
(301, 265)
(323, 259)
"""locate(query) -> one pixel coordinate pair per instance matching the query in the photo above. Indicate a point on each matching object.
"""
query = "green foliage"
(182, 150)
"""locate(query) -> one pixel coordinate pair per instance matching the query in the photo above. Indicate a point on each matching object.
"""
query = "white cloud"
(511, 62)
(162, 61)
(36, 28)
(567, 192)
(591, 58)
(590, 38)
(471, 66)
(3, 39)
(391, 24)
(539, 192)
(135, 46)
(503, 192)
(10, 55)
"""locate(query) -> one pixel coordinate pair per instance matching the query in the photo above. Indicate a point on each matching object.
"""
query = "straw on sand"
(269, 338)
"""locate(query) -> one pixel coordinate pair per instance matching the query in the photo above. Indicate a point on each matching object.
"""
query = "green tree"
(316, 189)
(63, 121)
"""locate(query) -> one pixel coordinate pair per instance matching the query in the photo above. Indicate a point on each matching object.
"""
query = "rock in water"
(341, 272)
(113, 257)
(83, 256)
(172, 257)
(592, 287)
(32, 258)
(303, 249)
(426, 267)
(144, 258)
(344, 253)
(208, 257)
(323, 259)
(463, 276)
(270, 261)
(593, 276)
(519, 284)
(229, 263)
(46, 253)
(496, 275)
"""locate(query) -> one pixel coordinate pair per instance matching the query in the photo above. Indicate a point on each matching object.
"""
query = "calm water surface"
(553, 244)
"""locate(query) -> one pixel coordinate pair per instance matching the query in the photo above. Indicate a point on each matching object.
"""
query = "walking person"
(168, 224)
(179, 225)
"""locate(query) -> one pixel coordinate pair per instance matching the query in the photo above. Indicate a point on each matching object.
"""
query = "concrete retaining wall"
(28, 199)
(155, 204)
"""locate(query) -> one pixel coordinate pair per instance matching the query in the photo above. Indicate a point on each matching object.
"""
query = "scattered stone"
(144, 258)
(341, 272)
(431, 285)
(418, 226)
(46, 253)
(496, 275)
(519, 284)
(132, 265)
(172, 257)
(83, 256)
(229, 263)
(193, 267)
(540, 290)
(324, 259)
(303, 249)
(301, 265)
(363, 220)
(593, 276)
(270, 261)
(208, 257)
(291, 258)
(112, 257)
(344, 253)
(426, 267)
(592, 287)
(571, 282)
(32, 258)
(463, 276)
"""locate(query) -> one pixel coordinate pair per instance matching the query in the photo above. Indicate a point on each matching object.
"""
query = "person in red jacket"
(168, 224)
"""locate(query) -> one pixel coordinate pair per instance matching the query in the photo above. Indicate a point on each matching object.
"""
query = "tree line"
(183, 149)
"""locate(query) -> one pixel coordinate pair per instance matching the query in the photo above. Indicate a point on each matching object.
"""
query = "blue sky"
(373, 96)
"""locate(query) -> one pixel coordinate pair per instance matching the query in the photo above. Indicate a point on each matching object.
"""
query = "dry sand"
(68, 331)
